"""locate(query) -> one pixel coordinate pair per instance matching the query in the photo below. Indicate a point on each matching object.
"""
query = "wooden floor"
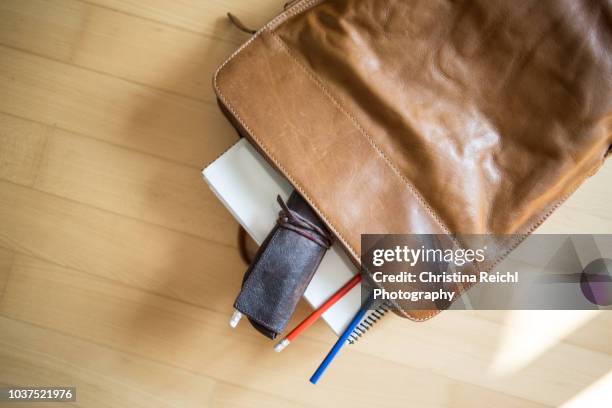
(118, 267)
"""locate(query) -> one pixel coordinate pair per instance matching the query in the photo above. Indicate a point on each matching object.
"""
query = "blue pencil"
(341, 341)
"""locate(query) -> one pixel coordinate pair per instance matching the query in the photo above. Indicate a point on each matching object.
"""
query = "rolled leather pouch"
(283, 267)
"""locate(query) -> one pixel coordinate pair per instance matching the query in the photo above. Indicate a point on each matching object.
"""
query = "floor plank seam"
(144, 357)
(207, 102)
(108, 280)
(129, 217)
(198, 168)
(49, 133)
(8, 277)
(174, 26)
(364, 353)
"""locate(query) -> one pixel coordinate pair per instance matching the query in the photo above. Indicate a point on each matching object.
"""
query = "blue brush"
(342, 340)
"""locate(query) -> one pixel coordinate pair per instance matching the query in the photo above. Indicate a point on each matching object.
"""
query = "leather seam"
(285, 172)
(420, 199)
(516, 242)
(297, 185)
(539, 221)
(373, 144)
(320, 84)
(292, 11)
(326, 92)
(274, 23)
(299, 7)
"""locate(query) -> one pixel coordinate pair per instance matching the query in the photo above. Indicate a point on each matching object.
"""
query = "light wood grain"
(184, 336)
(112, 109)
(118, 268)
(111, 177)
(110, 378)
(22, 144)
(117, 247)
(6, 263)
(198, 16)
(124, 46)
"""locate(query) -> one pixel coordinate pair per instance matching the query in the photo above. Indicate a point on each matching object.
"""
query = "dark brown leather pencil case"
(283, 266)
(427, 117)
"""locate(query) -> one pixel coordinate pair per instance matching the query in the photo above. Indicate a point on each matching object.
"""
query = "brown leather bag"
(467, 117)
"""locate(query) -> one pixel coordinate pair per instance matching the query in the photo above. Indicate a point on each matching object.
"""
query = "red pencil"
(317, 313)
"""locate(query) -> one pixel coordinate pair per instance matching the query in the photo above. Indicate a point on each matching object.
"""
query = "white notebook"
(247, 185)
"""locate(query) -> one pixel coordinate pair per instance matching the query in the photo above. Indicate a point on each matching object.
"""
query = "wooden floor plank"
(187, 337)
(112, 178)
(108, 245)
(23, 145)
(198, 16)
(107, 108)
(109, 378)
(133, 184)
(6, 263)
(463, 345)
(594, 328)
(117, 44)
